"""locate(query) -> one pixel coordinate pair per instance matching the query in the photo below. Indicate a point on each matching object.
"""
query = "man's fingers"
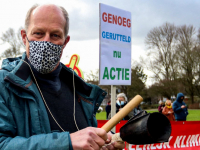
(102, 133)
(119, 145)
(88, 138)
(99, 137)
(94, 144)
(98, 140)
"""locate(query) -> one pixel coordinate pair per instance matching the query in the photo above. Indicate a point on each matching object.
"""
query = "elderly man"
(43, 104)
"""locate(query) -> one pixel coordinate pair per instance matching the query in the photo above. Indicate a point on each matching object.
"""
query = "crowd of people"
(174, 112)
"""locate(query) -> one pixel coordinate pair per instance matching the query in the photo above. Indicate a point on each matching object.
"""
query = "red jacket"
(169, 113)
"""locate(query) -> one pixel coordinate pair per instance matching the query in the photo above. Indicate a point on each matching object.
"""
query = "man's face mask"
(44, 56)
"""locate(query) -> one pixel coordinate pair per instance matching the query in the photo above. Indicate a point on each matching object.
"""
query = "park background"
(165, 44)
(194, 114)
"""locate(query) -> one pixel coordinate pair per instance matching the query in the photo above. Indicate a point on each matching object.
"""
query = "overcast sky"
(84, 22)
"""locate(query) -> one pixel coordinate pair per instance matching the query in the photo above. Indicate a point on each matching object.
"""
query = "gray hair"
(122, 95)
(65, 14)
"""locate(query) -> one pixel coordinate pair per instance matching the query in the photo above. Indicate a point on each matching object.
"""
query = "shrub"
(194, 106)
(148, 106)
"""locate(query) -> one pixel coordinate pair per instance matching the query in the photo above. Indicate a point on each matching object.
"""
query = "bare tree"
(186, 51)
(93, 76)
(161, 42)
(15, 43)
(197, 70)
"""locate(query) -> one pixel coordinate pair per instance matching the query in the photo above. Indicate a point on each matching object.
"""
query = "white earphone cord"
(46, 103)
(74, 103)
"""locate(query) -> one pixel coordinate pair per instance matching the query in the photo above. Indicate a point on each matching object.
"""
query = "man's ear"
(66, 41)
(23, 34)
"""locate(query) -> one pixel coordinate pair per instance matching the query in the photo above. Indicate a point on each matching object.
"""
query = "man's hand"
(89, 138)
(113, 145)
(183, 106)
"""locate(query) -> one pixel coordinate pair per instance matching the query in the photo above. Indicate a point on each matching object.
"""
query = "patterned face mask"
(44, 56)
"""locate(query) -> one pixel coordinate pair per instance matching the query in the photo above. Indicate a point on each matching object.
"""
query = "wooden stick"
(122, 113)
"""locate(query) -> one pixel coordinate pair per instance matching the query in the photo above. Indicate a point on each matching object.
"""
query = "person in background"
(161, 106)
(108, 109)
(120, 103)
(180, 108)
(43, 104)
(137, 110)
(168, 111)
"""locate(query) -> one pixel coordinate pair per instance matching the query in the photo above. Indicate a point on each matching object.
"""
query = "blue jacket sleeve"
(51, 141)
(9, 140)
(186, 111)
(176, 108)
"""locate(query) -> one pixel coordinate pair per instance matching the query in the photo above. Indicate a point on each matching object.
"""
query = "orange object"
(73, 63)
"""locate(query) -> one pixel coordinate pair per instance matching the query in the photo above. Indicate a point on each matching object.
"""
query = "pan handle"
(122, 113)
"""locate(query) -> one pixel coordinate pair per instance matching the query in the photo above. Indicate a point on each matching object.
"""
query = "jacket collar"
(18, 71)
(20, 74)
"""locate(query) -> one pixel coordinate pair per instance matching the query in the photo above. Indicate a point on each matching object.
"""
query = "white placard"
(115, 46)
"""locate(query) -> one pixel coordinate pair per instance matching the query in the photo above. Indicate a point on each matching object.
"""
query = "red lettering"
(128, 23)
(114, 19)
(133, 146)
(104, 16)
(119, 21)
(124, 22)
(109, 18)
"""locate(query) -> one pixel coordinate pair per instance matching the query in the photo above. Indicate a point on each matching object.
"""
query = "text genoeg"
(114, 19)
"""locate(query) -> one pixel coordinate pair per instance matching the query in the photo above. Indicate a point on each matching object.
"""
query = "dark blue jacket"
(180, 114)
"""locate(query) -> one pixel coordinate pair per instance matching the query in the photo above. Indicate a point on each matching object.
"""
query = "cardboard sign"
(115, 46)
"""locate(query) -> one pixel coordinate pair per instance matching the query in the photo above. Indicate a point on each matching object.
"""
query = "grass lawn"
(101, 115)
(194, 114)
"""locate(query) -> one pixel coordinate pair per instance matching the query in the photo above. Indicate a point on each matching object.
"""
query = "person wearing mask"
(180, 108)
(43, 104)
(168, 111)
(120, 103)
